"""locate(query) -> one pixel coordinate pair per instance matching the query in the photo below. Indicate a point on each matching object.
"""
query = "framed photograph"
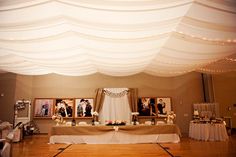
(43, 108)
(83, 107)
(146, 106)
(23, 108)
(163, 105)
(64, 107)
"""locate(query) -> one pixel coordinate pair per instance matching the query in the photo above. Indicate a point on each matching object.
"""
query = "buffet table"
(115, 134)
(208, 131)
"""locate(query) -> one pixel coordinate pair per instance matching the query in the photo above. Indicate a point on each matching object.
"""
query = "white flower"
(54, 117)
(118, 122)
(57, 118)
(135, 113)
(170, 117)
(95, 113)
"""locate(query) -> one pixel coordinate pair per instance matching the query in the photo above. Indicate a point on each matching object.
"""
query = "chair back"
(6, 151)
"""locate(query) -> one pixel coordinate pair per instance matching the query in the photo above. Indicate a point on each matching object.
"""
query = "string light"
(176, 72)
(231, 59)
(214, 71)
(216, 40)
(200, 69)
(196, 69)
(187, 64)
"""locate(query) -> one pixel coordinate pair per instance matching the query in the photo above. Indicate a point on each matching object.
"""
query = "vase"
(170, 121)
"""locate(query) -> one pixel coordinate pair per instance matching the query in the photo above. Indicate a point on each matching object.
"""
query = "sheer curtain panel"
(116, 105)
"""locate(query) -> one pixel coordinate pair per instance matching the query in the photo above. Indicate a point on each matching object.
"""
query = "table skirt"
(208, 132)
(115, 138)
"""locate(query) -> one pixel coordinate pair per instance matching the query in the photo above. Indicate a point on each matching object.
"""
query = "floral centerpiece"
(135, 113)
(115, 122)
(58, 119)
(134, 117)
(170, 117)
(95, 115)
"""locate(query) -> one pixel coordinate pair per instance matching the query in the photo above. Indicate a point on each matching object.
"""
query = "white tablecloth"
(208, 132)
(116, 137)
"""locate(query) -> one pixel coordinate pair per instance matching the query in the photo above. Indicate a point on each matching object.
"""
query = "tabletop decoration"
(115, 122)
(95, 115)
(134, 117)
(212, 120)
(196, 114)
(135, 113)
(58, 119)
(170, 117)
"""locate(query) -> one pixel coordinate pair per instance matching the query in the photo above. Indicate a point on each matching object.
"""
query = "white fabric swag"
(117, 37)
(115, 108)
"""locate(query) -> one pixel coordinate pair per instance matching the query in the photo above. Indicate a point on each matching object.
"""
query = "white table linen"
(116, 137)
(208, 132)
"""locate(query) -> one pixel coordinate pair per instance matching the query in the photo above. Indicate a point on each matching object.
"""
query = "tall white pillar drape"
(115, 108)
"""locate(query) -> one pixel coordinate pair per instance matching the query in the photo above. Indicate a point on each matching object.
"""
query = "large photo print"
(43, 108)
(64, 107)
(146, 106)
(83, 107)
(163, 106)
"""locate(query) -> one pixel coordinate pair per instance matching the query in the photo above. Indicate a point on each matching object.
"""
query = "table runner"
(150, 129)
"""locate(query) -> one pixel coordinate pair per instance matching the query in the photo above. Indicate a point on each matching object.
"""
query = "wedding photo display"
(84, 107)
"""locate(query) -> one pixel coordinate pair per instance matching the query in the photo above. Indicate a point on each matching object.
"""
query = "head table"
(115, 134)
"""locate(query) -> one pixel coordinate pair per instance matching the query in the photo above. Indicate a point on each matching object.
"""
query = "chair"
(5, 128)
(7, 150)
(18, 132)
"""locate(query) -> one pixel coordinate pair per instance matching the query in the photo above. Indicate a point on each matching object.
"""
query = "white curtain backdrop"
(115, 108)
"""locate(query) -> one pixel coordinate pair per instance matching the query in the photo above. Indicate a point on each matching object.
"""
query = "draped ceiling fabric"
(117, 37)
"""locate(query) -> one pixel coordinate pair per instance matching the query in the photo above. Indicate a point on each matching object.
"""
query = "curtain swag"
(116, 95)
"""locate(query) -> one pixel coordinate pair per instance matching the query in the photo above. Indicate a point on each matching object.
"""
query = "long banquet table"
(115, 134)
(208, 132)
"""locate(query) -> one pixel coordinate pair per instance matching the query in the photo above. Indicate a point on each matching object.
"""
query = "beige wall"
(53, 86)
(84, 86)
(225, 94)
(23, 87)
(187, 91)
(184, 90)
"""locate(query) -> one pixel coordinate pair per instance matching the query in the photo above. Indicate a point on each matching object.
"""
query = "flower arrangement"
(135, 113)
(115, 122)
(134, 117)
(95, 113)
(58, 119)
(170, 117)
